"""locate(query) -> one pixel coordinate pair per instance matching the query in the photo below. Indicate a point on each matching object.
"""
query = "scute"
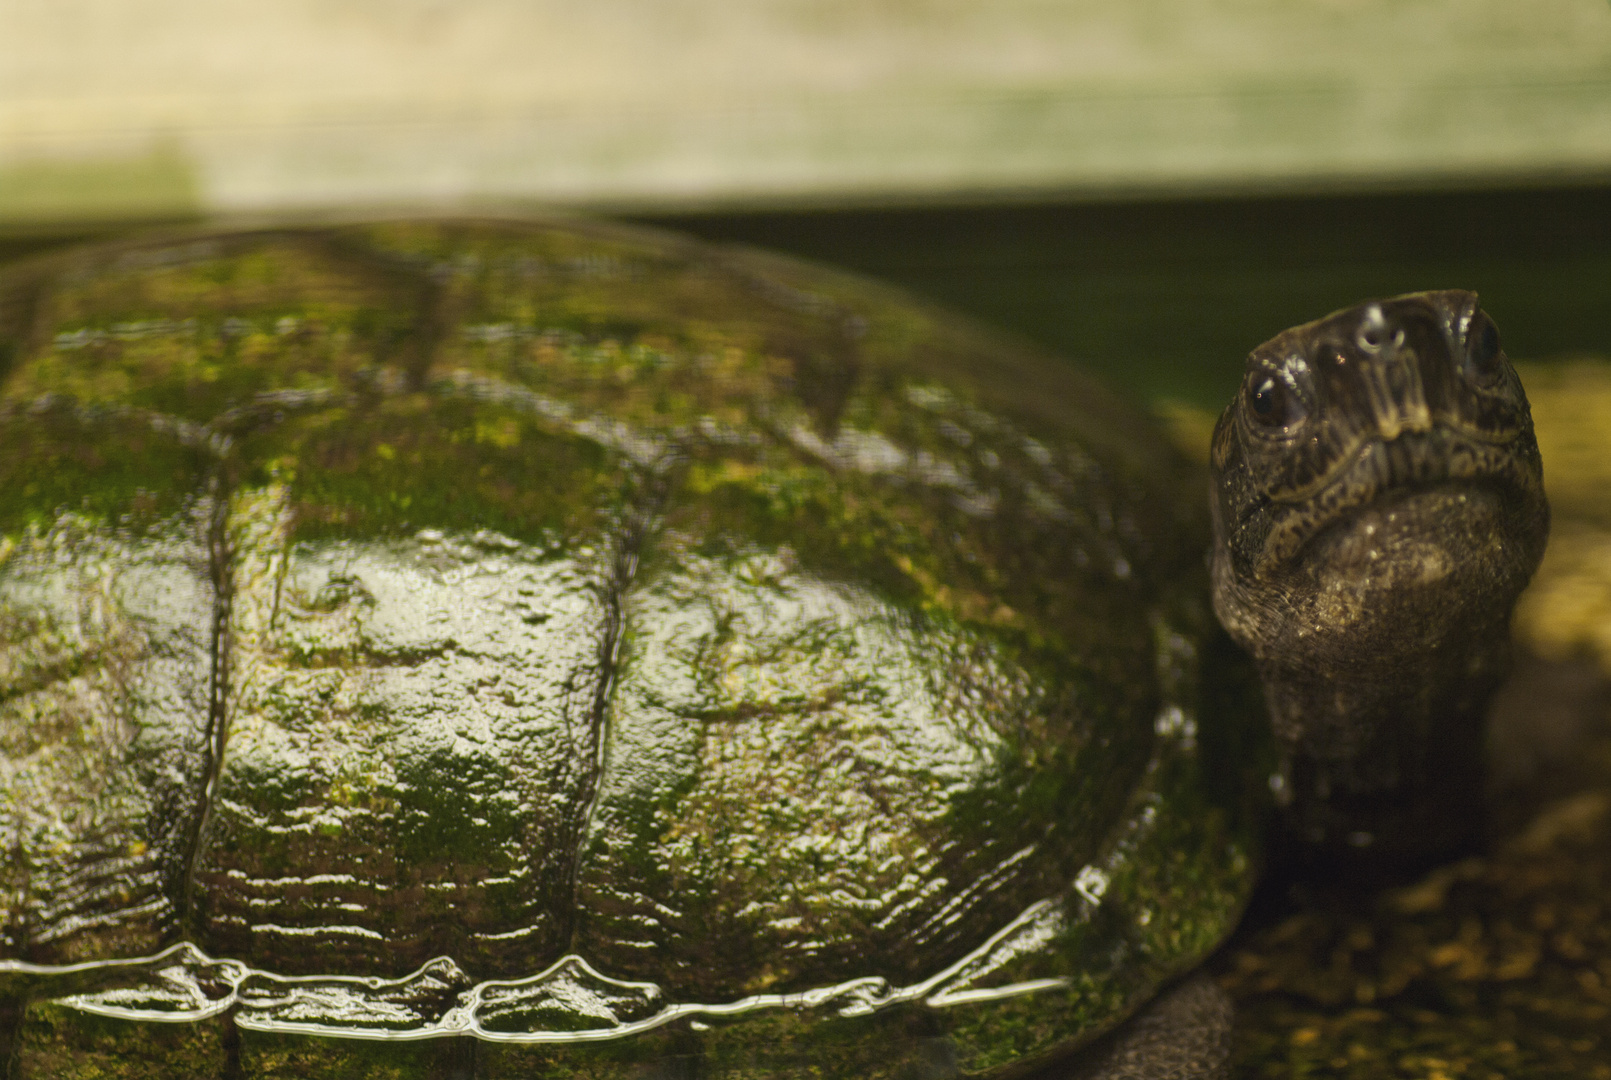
(573, 637)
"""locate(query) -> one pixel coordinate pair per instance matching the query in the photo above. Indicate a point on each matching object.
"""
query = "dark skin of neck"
(1380, 783)
(1378, 508)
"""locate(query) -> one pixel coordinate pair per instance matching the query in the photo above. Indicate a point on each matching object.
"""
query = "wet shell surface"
(609, 647)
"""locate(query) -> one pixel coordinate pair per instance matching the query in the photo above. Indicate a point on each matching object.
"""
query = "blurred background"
(1150, 187)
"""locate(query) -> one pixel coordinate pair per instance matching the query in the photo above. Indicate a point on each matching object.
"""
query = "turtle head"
(1378, 507)
(1376, 464)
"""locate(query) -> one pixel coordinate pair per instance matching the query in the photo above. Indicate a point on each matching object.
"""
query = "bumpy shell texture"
(606, 647)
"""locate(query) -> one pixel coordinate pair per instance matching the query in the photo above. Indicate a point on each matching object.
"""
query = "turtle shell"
(612, 648)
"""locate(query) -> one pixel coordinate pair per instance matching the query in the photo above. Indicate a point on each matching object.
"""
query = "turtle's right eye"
(1272, 403)
(1482, 365)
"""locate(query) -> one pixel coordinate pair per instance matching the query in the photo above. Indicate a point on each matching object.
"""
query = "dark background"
(1167, 298)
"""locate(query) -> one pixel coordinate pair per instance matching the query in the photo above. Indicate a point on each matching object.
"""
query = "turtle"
(550, 648)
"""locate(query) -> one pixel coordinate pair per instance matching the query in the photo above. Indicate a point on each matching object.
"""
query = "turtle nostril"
(1374, 333)
(1377, 336)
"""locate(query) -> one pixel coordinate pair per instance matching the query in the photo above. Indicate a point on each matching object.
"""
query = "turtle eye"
(1482, 364)
(1272, 402)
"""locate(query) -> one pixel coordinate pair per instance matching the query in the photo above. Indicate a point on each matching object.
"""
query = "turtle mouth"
(1391, 472)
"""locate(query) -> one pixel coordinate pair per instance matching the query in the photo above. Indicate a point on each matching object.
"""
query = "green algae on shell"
(606, 647)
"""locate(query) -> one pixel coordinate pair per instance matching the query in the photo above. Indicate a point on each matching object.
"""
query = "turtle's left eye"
(1272, 402)
(1482, 363)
